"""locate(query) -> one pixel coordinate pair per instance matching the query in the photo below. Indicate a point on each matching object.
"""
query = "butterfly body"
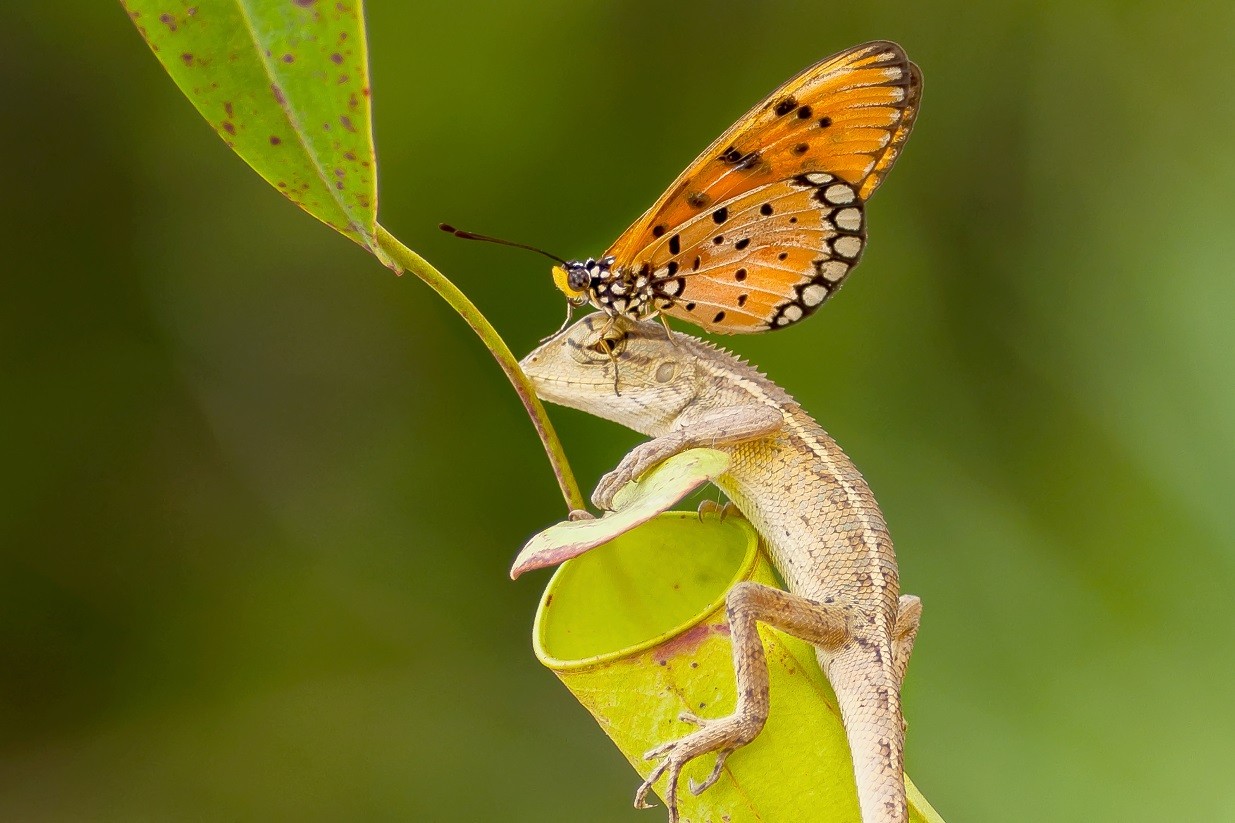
(766, 224)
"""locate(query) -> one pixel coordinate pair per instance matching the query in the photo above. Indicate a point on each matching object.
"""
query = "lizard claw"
(633, 465)
(699, 788)
(580, 514)
(674, 768)
(677, 753)
(722, 510)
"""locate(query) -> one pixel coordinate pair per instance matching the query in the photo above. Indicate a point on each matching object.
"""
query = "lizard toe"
(699, 788)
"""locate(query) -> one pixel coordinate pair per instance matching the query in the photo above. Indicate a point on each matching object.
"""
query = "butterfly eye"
(573, 281)
(578, 279)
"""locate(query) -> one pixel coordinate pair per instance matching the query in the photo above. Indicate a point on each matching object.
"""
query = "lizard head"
(625, 371)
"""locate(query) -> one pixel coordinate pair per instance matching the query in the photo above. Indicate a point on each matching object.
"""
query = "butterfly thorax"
(617, 291)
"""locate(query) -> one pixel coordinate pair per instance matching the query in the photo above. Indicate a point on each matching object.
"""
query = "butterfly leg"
(570, 310)
(664, 321)
(825, 625)
(614, 361)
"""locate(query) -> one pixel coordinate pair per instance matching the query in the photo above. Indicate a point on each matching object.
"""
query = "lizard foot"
(635, 463)
(723, 736)
(580, 514)
(726, 509)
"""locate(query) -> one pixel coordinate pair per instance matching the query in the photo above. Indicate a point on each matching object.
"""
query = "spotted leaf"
(285, 83)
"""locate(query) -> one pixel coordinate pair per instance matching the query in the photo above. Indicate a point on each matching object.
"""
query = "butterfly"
(767, 223)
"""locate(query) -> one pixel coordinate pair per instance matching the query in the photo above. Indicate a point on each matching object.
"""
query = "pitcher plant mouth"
(693, 558)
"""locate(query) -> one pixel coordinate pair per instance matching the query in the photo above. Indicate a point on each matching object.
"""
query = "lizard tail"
(869, 696)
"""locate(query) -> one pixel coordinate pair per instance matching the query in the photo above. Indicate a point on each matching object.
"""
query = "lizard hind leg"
(825, 625)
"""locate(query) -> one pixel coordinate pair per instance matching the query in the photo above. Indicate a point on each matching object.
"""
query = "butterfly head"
(578, 279)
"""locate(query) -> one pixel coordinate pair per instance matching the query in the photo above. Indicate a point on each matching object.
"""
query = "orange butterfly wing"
(767, 222)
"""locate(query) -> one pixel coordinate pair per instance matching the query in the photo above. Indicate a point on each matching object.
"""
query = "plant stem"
(458, 301)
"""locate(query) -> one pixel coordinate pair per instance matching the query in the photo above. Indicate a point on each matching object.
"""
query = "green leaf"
(285, 83)
(635, 503)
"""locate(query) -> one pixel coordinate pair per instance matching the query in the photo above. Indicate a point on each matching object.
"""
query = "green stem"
(458, 301)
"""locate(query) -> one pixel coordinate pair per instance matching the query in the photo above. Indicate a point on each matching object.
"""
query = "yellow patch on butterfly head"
(577, 297)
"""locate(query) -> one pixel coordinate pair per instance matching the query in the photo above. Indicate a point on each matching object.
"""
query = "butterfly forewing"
(764, 225)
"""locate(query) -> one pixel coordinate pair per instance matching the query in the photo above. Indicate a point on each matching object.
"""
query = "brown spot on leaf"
(346, 123)
(167, 20)
(287, 58)
(336, 58)
(275, 140)
(187, 58)
(228, 127)
(228, 109)
(278, 94)
(304, 3)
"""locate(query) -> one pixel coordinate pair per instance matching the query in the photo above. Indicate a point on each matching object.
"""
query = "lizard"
(821, 525)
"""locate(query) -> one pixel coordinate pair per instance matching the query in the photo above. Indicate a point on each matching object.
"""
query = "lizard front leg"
(826, 625)
(716, 428)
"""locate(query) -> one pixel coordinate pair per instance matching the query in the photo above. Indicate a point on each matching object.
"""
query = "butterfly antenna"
(468, 235)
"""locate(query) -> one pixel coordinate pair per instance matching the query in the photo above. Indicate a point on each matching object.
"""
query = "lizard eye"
(666, 371)
(609, 346)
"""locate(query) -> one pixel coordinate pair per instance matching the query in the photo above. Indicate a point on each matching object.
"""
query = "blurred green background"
(260, 496)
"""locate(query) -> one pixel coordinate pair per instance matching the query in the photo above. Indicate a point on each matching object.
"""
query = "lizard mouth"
(559, 390)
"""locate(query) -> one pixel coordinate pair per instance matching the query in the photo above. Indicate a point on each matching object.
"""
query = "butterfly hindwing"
(764, 225)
